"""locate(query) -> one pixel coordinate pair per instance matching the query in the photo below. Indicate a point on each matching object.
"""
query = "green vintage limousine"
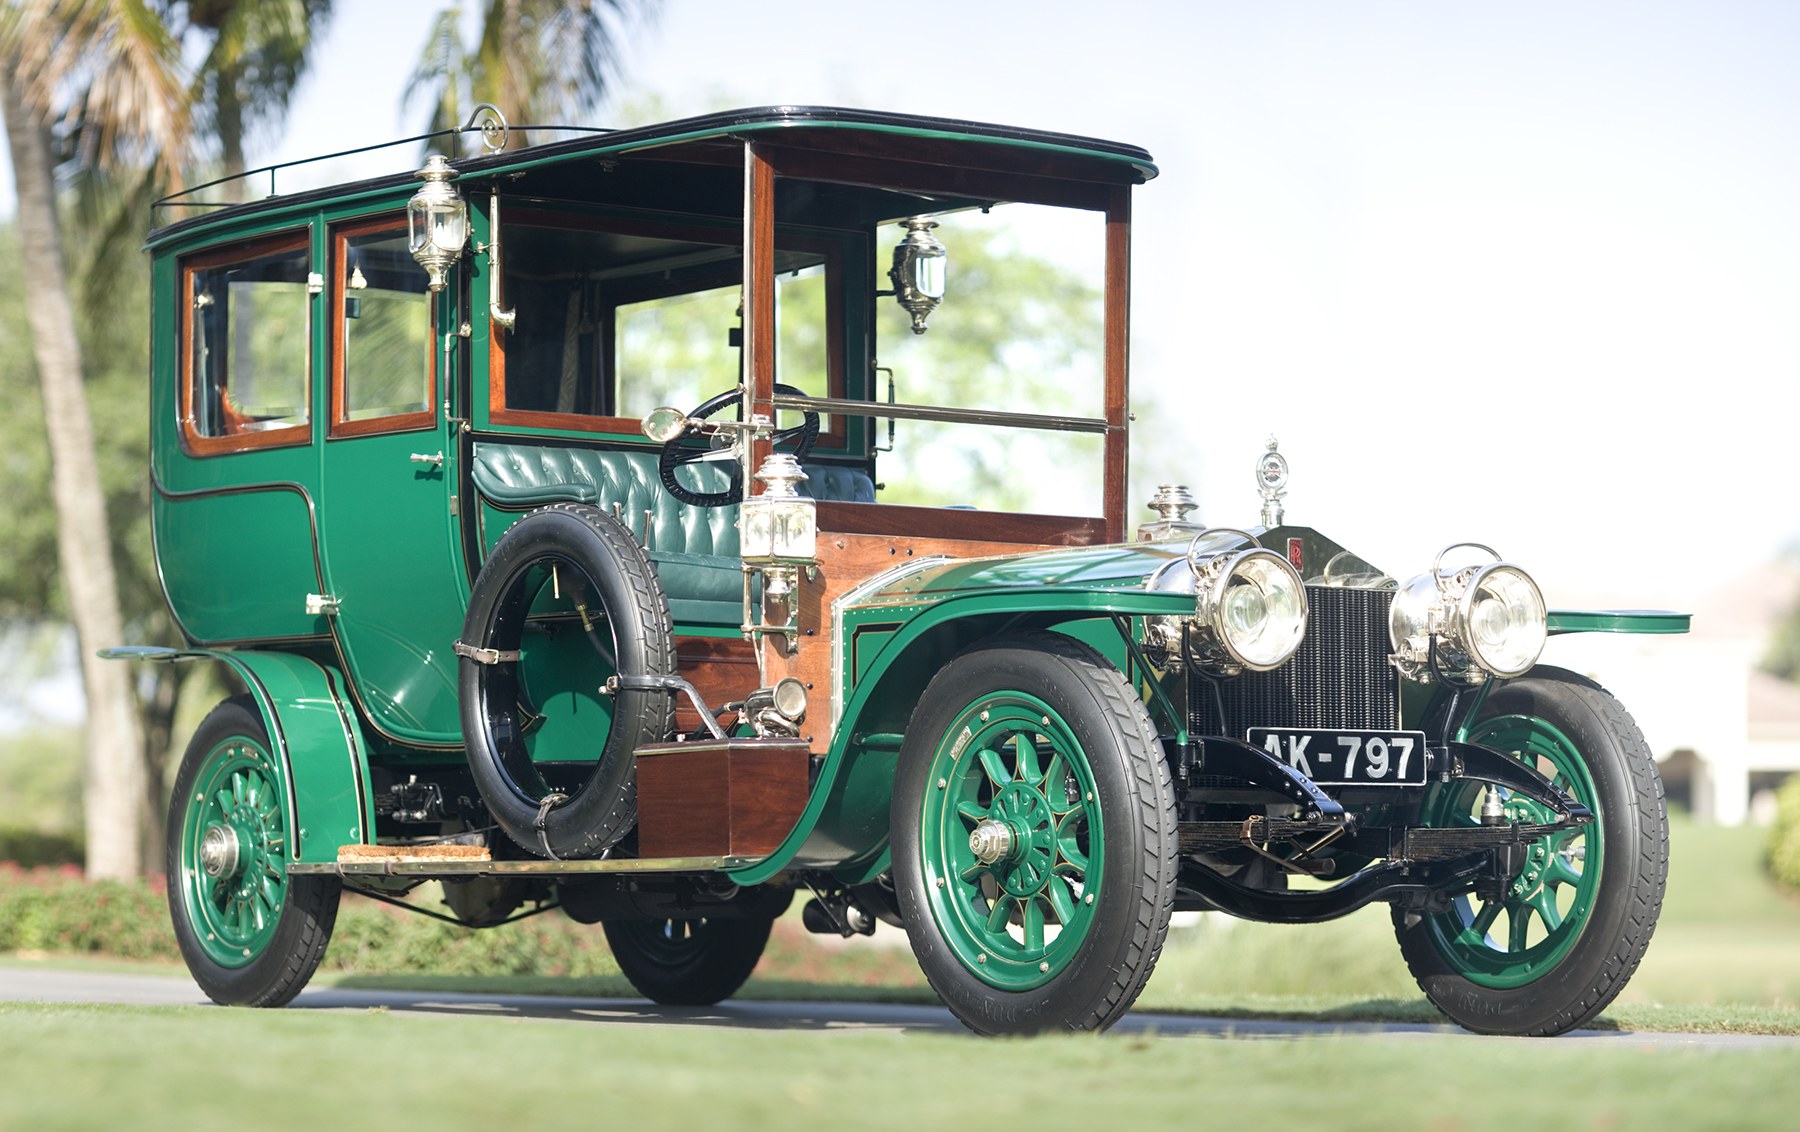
(662, 524)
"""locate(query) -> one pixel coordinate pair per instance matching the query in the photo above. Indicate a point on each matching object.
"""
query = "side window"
(384, 369)
(246, 334)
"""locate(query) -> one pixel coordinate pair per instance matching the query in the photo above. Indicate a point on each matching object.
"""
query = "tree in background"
(539, 61)
(1783, 657)
(258, 51)
(94, 97)
(103, 80)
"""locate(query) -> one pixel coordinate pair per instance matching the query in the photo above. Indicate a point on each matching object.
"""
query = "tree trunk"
(158, 716)
(230, 121)
(114, 775)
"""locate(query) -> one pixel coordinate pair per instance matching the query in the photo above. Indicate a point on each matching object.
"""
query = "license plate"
(1347, 758)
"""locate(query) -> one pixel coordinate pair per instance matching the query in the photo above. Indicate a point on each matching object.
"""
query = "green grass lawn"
(199, 1069)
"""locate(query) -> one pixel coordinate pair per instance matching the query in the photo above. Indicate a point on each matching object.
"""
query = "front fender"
(844, 826)
(316, 738)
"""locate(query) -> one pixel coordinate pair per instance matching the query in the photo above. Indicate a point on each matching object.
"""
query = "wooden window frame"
(724, 236)
(340, 424)
(192, 442)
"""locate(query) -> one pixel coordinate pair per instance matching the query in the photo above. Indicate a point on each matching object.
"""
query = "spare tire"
(552, 559)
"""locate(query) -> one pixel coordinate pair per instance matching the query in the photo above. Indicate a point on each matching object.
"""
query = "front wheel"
(1562, 939)
(1034, 837)
(251, 934)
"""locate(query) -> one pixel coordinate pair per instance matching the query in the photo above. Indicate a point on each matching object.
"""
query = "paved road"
(25, 983)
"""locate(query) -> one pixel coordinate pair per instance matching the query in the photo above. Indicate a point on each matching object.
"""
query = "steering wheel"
(674, 454)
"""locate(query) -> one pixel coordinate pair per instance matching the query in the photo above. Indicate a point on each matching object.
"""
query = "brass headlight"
(1468, 622)
(1249, 607)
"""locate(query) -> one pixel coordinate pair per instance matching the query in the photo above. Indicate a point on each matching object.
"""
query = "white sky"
(1522, 273)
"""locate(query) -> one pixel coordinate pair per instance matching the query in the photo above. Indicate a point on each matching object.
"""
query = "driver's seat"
(695, 549)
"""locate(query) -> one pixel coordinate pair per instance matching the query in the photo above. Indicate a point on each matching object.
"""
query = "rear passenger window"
(247, 338)
(384, 374)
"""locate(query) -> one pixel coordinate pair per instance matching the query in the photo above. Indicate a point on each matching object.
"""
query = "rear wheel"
(251, 934)
(1034, 841)
(1566, 934)
(688, 962)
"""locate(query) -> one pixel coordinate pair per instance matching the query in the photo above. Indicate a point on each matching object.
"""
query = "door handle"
(435, 459)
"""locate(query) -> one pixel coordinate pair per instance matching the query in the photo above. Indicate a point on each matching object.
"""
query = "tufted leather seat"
(695, 549)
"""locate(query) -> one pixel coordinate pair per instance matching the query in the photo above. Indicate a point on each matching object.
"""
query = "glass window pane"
(250, 339)
(387, 329)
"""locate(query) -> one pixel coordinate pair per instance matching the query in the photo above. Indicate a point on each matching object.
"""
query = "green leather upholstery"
(695, 549)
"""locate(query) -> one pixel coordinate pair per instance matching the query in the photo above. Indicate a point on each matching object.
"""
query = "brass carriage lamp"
(921, 270)
(780, 526)
(437, 221)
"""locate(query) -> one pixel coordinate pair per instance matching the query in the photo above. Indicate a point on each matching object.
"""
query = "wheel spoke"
(997, 771)
(972, 872)
(1056, 771)
(1559, 871)
(1484, 920)
(1062, 901)
(972, 812)
(1518, 927)
(999, 912)
(1025, 758)
(1034, 924)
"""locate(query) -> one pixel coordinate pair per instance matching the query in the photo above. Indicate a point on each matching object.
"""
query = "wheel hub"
(992, 841)
(221, 851)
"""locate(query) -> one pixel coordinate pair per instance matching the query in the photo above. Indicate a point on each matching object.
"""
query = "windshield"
(1019, 330)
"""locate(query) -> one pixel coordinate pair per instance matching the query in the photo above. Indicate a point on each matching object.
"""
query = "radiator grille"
(1339, 678)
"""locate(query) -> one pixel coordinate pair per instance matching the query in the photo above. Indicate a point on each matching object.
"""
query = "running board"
(454, 868)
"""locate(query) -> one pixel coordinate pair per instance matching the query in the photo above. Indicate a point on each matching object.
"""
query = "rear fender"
(315, 736)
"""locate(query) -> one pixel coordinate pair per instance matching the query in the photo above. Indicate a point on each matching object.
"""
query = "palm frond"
(441, 72)
(109, 73)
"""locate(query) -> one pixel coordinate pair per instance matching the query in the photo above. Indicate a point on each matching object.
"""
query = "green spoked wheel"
(1564, 936)
(1012, 824)
(251, 934)
(1034, 837)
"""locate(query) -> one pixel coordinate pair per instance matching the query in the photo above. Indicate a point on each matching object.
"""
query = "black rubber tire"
(688, 962)
(309, 905)
(602, 810)
(1634, 827)
(1136, 801)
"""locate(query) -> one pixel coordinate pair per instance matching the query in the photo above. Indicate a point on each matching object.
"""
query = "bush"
(35, 848)
(55, 910)
(1784, 838)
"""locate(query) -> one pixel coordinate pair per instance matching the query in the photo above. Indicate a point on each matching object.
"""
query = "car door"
(388, 525)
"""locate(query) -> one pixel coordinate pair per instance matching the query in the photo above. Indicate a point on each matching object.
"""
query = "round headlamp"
(1487, 618)
(1249, 608)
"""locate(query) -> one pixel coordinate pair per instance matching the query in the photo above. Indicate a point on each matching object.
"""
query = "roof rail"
(486, 119)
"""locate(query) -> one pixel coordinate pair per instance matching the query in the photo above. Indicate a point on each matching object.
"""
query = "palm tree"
(540, 61)
(128, 106)
(259, 50)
